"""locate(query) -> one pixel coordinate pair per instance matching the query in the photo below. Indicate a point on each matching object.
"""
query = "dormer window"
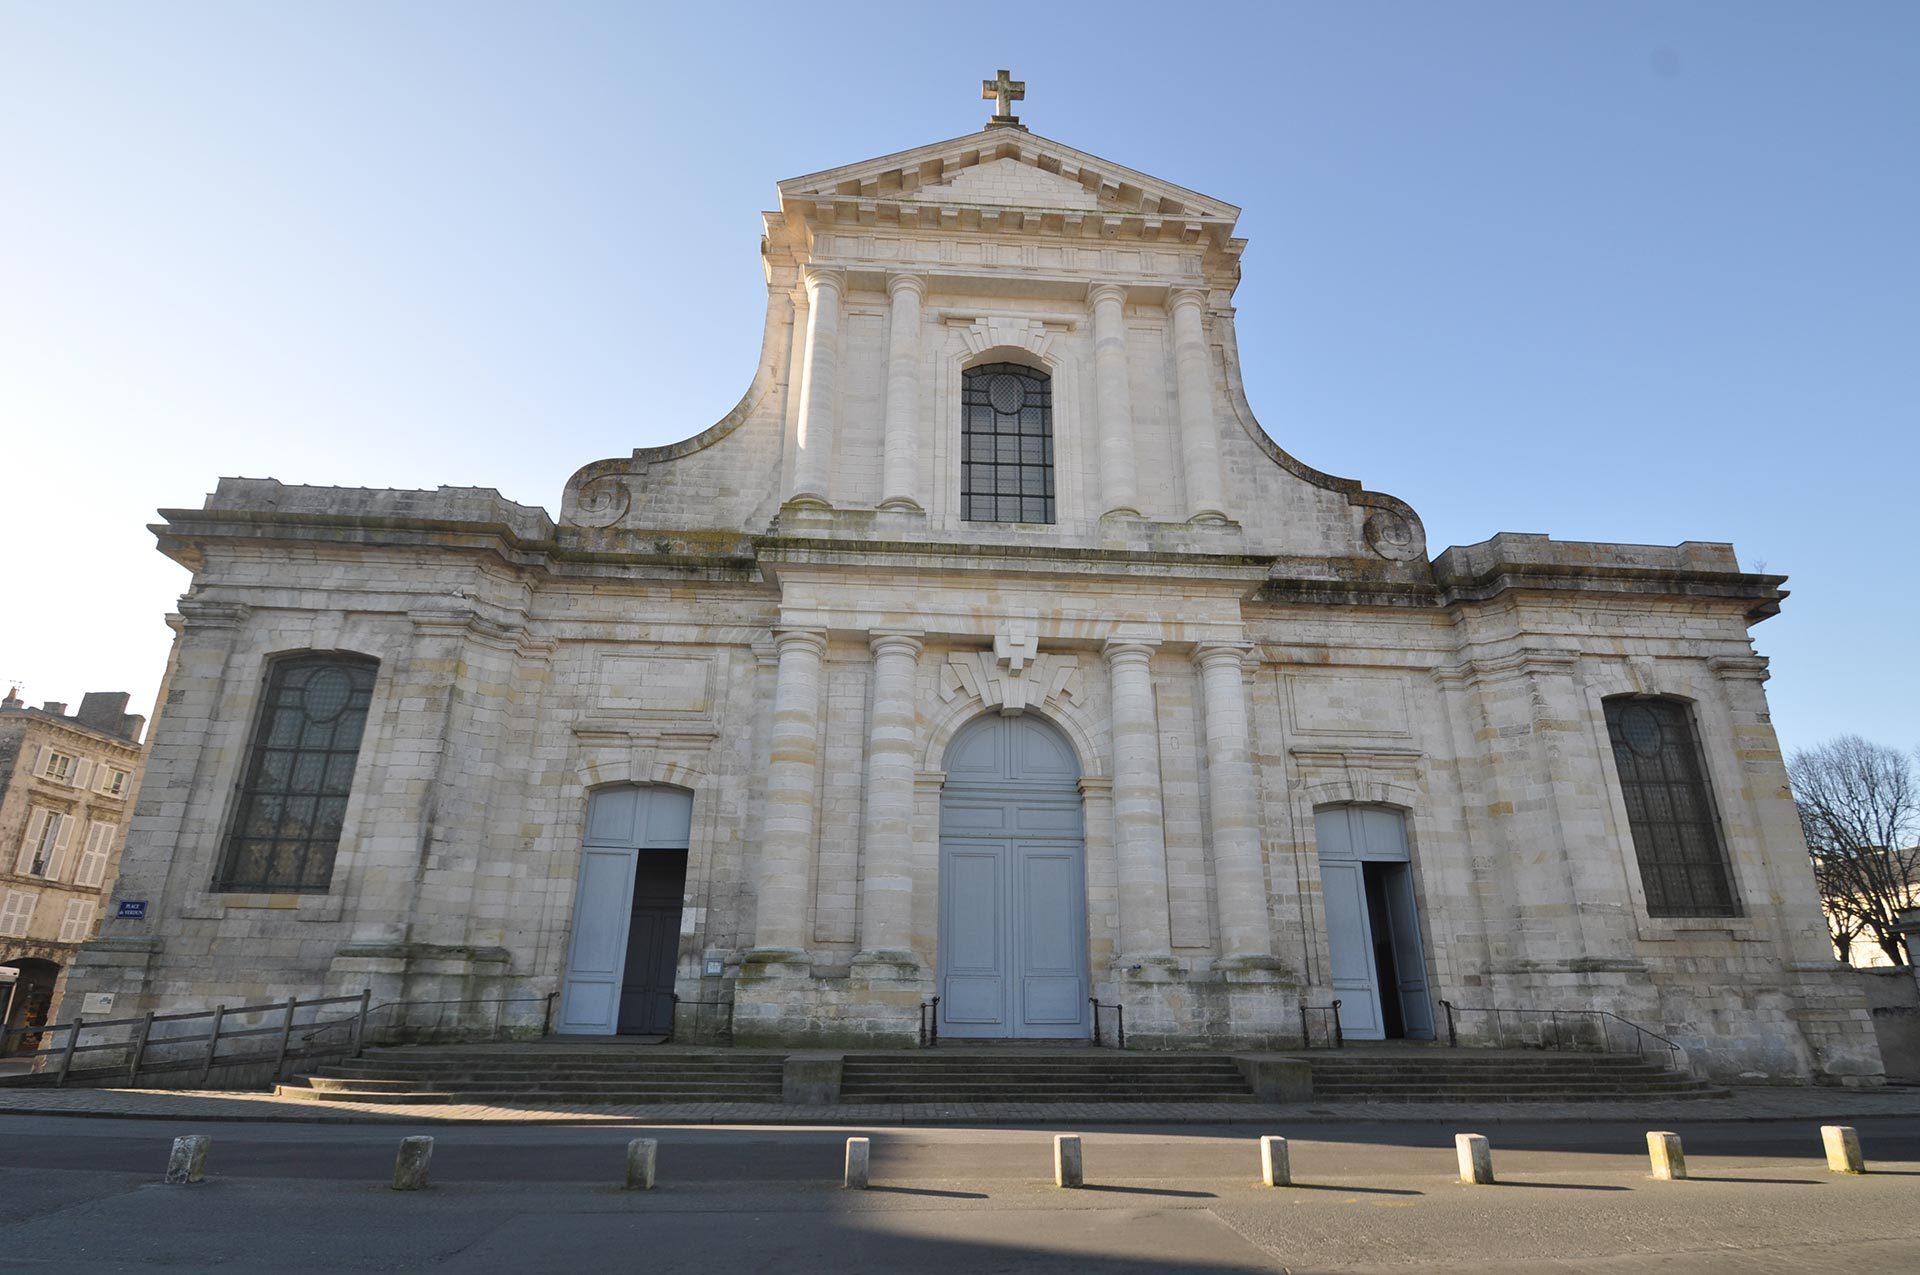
(1006, 432)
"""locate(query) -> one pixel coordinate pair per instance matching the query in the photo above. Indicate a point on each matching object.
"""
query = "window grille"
(1676, 833)
(293, 801)
(1006, 434)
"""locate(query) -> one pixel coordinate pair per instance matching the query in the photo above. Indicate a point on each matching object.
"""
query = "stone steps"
(1084, 1076)
(574, 1075)
(1470, 1076)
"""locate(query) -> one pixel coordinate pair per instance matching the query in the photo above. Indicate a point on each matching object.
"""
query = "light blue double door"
(1013, 921)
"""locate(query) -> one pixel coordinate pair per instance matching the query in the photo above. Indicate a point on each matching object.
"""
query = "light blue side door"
(1349, 839)
(622, 824)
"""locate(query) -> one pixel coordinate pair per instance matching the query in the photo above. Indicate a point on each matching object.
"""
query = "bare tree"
(1860, 806)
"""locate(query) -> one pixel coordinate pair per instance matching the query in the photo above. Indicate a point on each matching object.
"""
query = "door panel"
(1052, 942)
(973, 940)
(1409, 957)
(1350, 949)
(589, 1003)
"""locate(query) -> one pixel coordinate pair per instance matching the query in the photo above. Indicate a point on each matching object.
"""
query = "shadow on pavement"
(1151, 1190)
(927, 1190)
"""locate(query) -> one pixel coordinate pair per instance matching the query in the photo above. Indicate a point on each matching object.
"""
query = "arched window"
(293, 800)
(1676, 834)
(1006, 434)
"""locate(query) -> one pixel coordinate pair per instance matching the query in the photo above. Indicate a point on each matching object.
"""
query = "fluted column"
(1114, 401)
(900, 468)
(1199, 441)
(1139, 833)
(1238, 874)
(813, 468)
(886, 875)
(793, 763)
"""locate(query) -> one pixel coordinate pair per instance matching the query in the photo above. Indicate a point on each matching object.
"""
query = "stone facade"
(67, 786)
(788, 616)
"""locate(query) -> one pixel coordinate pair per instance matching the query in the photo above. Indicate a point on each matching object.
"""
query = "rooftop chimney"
(107, 711)
(57, 707)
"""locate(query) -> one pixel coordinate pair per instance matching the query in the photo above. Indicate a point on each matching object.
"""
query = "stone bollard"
(188, 1162)
(1664, 1154)
(410, 1165)
(1843, 1148)
(1274, 1169)
(858, 1158)
(642, 1155)
(1066, 1160)
(1476, 1158)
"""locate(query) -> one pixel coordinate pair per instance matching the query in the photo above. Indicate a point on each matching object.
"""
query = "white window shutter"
(78, 920)
(93, 861)
(36, 828)
(58, 859)
(17, 913)
(83, 773)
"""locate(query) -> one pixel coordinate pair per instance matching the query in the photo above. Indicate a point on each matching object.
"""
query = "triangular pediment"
(1005, 168)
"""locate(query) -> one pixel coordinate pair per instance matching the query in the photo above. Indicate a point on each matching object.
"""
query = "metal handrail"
(1604, 1017)
(140, 1041)
(1120, 1022)
(930, 1023)
(1333, 1033)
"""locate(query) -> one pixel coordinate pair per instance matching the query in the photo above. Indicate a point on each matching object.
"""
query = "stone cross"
(1006, 91)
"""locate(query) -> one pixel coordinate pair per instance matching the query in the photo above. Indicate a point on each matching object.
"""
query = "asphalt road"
(84, 1196)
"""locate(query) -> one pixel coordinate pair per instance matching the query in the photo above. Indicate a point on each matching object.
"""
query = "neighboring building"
(988, 650)
(1865, 951)
(67, 786)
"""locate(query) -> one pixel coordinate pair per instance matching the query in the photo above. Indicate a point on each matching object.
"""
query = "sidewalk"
(1748, 1104)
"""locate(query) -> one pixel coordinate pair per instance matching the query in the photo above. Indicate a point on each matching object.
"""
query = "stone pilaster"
(793, 764)
(1114, 401)
(900, 464)
(1139, 835)
(1199, 448)
(813, 470)
(1240, 879)
(886, 879)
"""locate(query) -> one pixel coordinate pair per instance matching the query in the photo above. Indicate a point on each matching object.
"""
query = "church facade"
(987, 661)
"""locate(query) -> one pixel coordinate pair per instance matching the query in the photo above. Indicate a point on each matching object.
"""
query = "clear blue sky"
(1611, 271)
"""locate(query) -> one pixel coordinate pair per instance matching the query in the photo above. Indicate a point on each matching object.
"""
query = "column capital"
(1180, 298)
(785, 639)
(1119, 650)
(818, 277)
(1098, 292)
(1234, 653)
(902, 281)
(896, 641)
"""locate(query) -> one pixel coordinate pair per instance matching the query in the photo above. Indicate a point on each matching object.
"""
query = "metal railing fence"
(1590, 1030)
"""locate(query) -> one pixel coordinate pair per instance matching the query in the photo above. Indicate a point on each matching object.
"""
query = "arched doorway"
(1013, 896)
(26, 998)
(625, 946)
(1373, 925)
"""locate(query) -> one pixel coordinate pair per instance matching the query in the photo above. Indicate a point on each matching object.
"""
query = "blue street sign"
(133, 909)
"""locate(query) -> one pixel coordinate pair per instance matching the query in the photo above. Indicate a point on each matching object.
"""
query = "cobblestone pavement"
(195, 1104)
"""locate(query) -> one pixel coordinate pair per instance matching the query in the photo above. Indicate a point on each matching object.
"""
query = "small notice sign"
(96, 1004)
(133, 909)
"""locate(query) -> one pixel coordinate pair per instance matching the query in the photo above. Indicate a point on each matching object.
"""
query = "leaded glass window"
(1676, 834)
(1006, 432)
(293, 800)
